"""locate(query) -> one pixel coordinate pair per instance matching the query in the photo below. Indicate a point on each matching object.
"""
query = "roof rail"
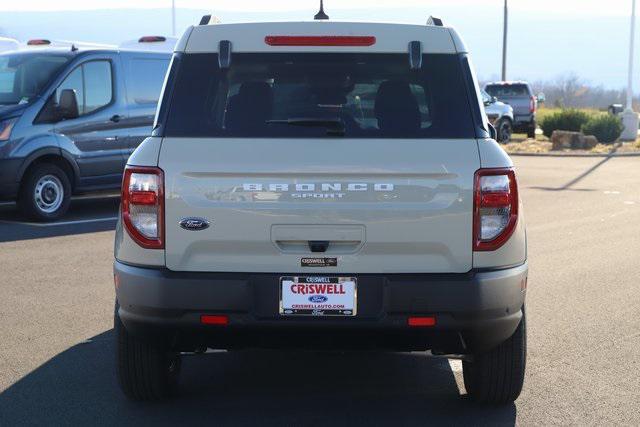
(435, 21)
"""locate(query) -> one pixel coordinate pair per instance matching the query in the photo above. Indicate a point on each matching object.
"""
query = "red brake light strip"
(320, 40)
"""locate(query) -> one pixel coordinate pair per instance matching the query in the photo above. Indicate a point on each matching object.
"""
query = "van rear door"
(353, 160)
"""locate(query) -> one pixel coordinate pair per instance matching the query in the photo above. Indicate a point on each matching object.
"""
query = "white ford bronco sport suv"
(326, 177)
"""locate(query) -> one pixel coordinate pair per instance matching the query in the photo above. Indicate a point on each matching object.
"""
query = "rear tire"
(531, 132)
(45, 193)
(505, 130)
(145, 372)
(497, 376)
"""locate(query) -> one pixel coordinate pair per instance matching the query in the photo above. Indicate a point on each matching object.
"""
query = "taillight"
(495, 210)
(320, 40)
(532, 104)
(143, 205)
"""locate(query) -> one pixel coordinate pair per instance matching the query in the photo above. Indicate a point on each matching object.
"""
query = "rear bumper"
(524, 121)
(475, 311)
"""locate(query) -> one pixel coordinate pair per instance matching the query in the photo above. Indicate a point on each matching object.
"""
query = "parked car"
(69, 119)
(521, 98)
(390, 224)
(500, 115)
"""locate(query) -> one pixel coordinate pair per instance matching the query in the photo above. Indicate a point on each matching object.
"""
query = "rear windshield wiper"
(334, 127)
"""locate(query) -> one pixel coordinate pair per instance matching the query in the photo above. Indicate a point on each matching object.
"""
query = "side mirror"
(494, 99)
(493, 133)
(68, 104)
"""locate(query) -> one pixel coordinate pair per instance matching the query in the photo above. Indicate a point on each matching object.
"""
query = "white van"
(325, 185)
(8, 44)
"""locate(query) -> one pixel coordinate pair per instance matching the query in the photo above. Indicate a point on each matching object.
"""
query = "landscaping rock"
(562, 139)
(590, 141)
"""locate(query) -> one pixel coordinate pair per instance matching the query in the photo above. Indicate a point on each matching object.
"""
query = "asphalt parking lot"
(583, 215)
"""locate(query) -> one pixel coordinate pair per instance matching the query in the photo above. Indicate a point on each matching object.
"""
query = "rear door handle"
(116, 118)
(111, 138)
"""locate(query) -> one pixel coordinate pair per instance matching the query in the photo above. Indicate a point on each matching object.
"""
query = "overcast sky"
(591, 7)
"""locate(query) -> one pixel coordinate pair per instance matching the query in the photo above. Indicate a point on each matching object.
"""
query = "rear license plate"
(318, 296)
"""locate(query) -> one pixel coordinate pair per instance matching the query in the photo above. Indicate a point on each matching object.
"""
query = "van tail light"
(495, 208)
(143, 205)
(532, 104)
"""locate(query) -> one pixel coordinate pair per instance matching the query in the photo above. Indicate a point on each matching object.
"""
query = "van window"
(146, 76)
(24, 75)
(98, 86)
(306, 95)
(93, 84)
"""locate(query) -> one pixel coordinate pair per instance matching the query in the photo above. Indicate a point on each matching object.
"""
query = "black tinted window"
(146, 76)
(292, 95)
(508, 90)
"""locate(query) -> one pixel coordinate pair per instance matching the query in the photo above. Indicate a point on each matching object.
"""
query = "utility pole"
(504, 40)
(173, 18)
(629, 117)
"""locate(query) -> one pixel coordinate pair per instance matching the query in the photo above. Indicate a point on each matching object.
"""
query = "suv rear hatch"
(348, 160)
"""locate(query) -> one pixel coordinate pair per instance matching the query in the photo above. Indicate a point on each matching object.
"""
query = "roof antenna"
(73, 47)
(321, 15)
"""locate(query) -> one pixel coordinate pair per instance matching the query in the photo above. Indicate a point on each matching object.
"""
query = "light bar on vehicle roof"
(152, 39)
(320, 40)
(38, 42)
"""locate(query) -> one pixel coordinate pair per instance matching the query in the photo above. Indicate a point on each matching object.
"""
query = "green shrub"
(605, 127)
(569, 119)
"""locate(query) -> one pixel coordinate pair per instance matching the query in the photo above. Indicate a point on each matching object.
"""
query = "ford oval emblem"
(194, 224)
(318, 298)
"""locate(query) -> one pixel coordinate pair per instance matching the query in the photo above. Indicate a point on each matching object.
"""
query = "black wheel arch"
(61, 158)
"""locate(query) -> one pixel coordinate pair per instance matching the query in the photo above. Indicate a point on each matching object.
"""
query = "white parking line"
(456, 369)
(53, 224)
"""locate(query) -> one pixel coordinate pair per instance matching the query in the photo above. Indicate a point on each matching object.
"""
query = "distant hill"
(541, 46)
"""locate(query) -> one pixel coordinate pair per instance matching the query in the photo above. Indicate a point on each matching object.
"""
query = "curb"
(574, 154)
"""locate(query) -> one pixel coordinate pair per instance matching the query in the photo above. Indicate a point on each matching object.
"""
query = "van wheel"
(505, 130)
(45, 193)
(497, 376)
(145, 372)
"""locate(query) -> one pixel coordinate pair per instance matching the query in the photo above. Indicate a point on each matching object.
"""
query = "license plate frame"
(339, 299)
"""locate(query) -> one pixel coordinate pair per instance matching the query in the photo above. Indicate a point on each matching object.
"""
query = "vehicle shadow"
(85, 215)
(574, 181)
(78, 387)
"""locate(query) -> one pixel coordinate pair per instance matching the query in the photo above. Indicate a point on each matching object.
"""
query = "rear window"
(501, 91)
(317, 95)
